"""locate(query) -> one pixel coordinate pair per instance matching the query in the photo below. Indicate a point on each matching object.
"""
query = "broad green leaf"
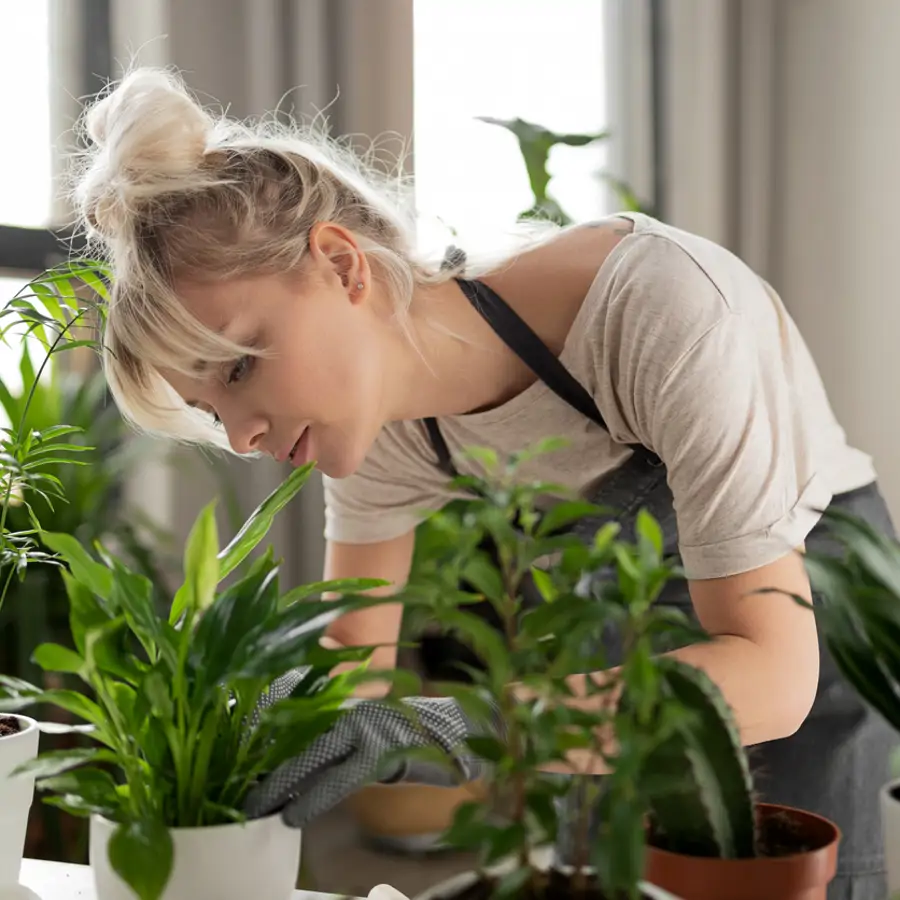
(157, 691)
(648, 528)
(77, 704)
(85, 610)
(504, 841)
(238, 614)
(260, 521)
(201, 567)
(480, 572)
(85, 569)
(55, 762)
(488, 748)
(565, 513)
(105, 651)
(141, 853)
(94, 786)
(56, 658)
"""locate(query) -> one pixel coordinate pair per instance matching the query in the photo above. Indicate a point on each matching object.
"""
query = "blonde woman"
(269, 298)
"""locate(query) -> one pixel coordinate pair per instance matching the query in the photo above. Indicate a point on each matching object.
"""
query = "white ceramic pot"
(541, 859)
(890, 826)
(258, 859)
(16, 796)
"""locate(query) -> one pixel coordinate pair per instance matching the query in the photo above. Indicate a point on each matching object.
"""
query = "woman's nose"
(246, 434)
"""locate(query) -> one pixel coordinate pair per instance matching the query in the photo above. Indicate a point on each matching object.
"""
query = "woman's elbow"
(796, 689)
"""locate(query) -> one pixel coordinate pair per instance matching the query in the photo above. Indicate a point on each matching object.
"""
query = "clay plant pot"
(890, 824)
(259, 859)
(801, 875)
(410, 818)
(16, 796)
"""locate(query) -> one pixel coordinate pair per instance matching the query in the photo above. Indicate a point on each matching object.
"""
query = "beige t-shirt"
(685, 350)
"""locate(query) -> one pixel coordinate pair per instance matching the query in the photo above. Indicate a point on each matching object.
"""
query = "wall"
(835, 219)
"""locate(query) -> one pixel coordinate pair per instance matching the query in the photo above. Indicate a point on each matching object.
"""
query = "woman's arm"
(387, 561)
(763, 656)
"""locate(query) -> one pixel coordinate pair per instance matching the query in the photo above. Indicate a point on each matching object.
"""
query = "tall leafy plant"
(57, 309)
(533, 664)
(183, 721)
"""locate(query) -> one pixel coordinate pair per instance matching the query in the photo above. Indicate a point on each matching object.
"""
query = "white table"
(64, 881)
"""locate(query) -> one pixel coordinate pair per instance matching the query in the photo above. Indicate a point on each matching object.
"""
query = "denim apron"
(838, 760)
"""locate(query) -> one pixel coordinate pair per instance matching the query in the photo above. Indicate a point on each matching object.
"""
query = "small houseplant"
(859, 619)
(49, 310)
(184, 722)
(677, 806)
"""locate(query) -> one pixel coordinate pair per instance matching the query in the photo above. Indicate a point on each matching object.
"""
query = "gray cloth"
(372, 741)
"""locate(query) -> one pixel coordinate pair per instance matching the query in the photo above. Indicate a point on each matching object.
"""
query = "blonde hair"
(168, 192)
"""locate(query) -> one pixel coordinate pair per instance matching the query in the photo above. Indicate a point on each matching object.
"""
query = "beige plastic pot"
(258, 859)
(16, 797)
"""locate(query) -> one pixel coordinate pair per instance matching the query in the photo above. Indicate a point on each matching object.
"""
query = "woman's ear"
(335, 248)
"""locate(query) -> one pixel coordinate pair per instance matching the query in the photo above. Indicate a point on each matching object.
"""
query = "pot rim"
(30, 725)
(204, 829)
(769, 860)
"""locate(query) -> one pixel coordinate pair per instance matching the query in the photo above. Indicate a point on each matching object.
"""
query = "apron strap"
(522, 340)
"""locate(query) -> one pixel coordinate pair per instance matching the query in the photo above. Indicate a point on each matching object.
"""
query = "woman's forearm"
(756, 687)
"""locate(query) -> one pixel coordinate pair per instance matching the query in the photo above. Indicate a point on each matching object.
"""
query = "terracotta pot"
(798, 876)
(410, 817)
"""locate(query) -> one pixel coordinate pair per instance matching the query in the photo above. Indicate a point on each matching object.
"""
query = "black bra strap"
(520, 338)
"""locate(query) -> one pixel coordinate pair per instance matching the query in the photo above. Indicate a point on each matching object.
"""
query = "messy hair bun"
(150, 137)
(171, 195)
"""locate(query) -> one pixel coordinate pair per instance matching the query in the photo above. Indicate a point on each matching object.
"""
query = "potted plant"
(675, 809)
(527, 690)
(189, 712)
(859, 620)
(48, 310)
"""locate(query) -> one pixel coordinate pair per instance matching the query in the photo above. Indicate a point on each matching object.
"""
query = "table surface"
(65, 881)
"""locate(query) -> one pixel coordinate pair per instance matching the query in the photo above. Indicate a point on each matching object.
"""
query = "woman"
(268, 298)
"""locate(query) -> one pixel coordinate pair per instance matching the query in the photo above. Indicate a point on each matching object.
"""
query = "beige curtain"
(780, 140)
(352, 58)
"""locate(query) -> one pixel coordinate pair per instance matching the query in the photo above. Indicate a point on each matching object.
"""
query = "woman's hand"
(367, 745)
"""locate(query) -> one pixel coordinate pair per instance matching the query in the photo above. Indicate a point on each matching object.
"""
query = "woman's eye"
(216, 420)
(239, 369)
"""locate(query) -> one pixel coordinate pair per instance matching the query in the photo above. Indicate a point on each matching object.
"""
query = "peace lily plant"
(180, 711)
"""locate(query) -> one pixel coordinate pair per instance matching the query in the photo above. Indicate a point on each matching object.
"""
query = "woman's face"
(318, 395)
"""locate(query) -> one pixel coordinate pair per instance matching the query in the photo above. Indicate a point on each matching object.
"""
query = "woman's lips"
(299, 455)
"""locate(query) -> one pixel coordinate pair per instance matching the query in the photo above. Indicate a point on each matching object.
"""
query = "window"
(505, 59)
(25, 166)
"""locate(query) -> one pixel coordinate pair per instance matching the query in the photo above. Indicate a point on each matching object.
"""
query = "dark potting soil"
(780, 835)
(8, 725)
(552, 885)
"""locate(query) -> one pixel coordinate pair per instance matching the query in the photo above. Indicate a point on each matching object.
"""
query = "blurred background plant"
(64, 459)
(536, 143)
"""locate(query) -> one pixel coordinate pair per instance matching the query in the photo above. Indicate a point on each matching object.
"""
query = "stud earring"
(359, 285)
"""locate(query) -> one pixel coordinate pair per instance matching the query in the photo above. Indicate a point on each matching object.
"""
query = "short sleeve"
(704, 377)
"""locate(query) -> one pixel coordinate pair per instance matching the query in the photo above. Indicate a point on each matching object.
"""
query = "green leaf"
(201, 566)
(484, 576)
(237, 615)
(141, 853)
(488, 748)
(105, 651)
(648, 528)
(543, 581)
(335, 586)
(85, 611)
(55, 762)
(157, 691)
(260, 521)
(56, 658)
(94, 786)
(75, 703)
(85, 569)
(565, 513)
